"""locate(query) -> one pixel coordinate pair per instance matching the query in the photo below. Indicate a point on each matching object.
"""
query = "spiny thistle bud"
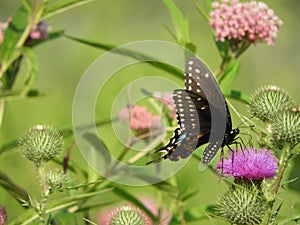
(3, 216)
(128, 215)
(286, 126)
(268, 100)
(55, 179)
(41, 144)
(242, 207)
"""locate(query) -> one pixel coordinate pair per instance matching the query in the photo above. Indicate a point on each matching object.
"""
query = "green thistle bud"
(286, 126)
(3, 216)
(269, 100)
(128, 215)
(55, 179)
(41, 144)
(242, 207)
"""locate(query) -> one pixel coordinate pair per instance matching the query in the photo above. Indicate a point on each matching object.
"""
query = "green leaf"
(9, 95)
(178, 19)
(30, 216)
(195, 215)
(97, 145)
(26, 4)
(2, 109)
(98, 205)
(223, 48)
(12, 71)
(51, 36)
(60, 204)
(295, 219)
(180, 23)
(295, 185)
(202, 12)
(229, 74)
(187, 196)
(135, 55)
(191, 46)
(208, 5)
(62, 6)
(14, 32)
(32, 70)
(167, 188)
(14, 189)
(63, 217)
(238, 95)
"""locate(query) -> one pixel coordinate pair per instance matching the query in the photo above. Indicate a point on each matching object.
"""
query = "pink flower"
(250, 164)
(251, 21)
(140, 119)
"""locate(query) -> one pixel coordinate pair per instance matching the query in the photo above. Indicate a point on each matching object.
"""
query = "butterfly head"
(235, 132)
(230, 137)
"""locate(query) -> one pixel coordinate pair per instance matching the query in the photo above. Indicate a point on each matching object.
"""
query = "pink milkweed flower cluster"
(140, 119)
(251, 21)
(249, 164)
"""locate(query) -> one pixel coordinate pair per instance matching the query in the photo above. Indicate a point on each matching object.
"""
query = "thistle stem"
(281, 168)
(44, 195)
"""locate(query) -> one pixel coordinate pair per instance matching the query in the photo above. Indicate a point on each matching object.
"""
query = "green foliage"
(229, 74)
(62, 6)
(73, 193)
(181, 25)
(13, 33)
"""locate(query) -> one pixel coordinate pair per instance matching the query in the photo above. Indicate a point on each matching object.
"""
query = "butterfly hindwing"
(187, 117)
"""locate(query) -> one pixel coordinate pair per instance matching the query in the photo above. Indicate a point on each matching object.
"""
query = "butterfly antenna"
(243, 118)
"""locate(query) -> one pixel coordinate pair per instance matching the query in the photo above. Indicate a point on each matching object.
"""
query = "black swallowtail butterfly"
(194, 108)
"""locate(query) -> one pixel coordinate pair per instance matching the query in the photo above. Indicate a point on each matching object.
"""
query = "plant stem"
(225, 62)
(285, 156)
(31, 21)
(44, 195)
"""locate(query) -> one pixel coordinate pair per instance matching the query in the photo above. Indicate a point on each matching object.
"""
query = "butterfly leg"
(232, 152)
(222, 159)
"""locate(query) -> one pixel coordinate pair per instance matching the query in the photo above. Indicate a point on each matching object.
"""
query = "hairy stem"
(44, 195)
(285, 156)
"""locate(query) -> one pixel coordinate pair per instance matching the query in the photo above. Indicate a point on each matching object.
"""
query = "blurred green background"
(62, 63)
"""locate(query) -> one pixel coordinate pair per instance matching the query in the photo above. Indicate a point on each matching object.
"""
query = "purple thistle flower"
(250, 163)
